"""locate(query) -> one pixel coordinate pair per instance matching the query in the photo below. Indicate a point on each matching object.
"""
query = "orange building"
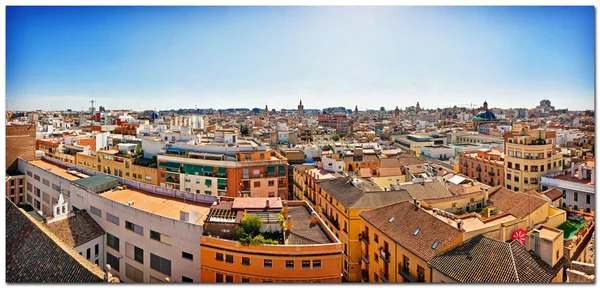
(485, 165)
(307, 251)
(128, 128)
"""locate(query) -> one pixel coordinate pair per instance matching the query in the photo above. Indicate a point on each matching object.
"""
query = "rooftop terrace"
(58, 170)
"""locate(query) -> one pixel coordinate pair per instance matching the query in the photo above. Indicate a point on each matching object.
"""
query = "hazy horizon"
(142, 58)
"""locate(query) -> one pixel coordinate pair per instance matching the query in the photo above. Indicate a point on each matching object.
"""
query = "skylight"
(435, 244)
(416, 231)
(391, 219)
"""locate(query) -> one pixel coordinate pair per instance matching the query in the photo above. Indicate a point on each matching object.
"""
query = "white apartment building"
(149, 237)
(576, 183)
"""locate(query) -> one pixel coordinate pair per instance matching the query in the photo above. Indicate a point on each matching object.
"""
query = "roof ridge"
(510, 250)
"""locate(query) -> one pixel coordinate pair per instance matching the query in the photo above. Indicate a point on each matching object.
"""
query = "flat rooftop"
(549, 234)
(56, 169)
(158, 204)
(574, 179)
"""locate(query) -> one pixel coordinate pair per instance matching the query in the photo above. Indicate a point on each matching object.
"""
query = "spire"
(300, 101)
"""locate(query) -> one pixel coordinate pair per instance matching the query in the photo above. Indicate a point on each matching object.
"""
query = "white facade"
(438, 152)
(181, 236)
(151, 147)
(577, 195)
(97, 259)
(332, 165)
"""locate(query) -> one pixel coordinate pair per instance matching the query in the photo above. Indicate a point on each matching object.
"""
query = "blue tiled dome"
(154, 116)
(486, 114)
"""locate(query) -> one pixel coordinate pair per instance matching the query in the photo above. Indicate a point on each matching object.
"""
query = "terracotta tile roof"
(303, 232)
(427, 190)
(407, 218)
(76, 230)
(342, 190)
(32, 256)
(376, 199)
(256, 203)
(452, 198)
(392, 171)
(365, 173)
(515, 203)
(554, 194)
(398, 161)
(416, 168)
(486, 260)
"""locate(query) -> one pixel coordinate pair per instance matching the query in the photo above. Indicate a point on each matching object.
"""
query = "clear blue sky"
(222, 57)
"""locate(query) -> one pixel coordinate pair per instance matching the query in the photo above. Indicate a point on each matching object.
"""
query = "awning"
(192, 169)
(208, 192)
(208, 182)
(221, 170)
(222, 182)
(281, 169)
(271, 169)
(171, 165)
(208, 169)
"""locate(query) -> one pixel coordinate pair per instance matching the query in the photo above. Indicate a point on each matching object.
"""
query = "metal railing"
(383, 275)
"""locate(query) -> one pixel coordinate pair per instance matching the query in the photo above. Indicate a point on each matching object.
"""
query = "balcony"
(383, 275)
(385, 256)
(364, 275)
(365, 256)
(365, 238)
(407, 275)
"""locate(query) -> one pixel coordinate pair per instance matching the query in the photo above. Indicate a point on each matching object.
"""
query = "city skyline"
(223, 57)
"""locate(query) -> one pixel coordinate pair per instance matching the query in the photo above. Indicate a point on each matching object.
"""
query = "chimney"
(285, 210)
(459, 224)
(313, 218)
(267, 203)
(416, 202)
(572, 170)
(580, 168)
(289, 223)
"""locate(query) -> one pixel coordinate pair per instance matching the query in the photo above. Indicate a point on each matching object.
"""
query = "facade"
(119, 164)
(128, 129)
(529, 155)
(398, 241)
(15, 186)
(307, 250)
(440, 152)
(150, 234)
(222, 170)
(20, 142)
(413, 143)
(576, 184)
(339, 122)
(487, 166)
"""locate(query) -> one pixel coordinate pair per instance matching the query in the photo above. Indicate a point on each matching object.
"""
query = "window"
(575, 197)
(134, 252)
(510, 165)
(112, 241)
(256, 184)
(406, 264)
(29, 187)
(219, 278)
(289, 264)
(188, 190)
(135, 228)
(187, 256)
(229, 258)
(112, 218)
(564, 194)
(271, 183)
(416, 231)
(420, 274)
(36, 177)
(246, 261)
(375, 257)
(587, 199)
(508, 186)
(160, 237)
(186, 279)
(55, 187)
(268, 264)
(187, 180)
(38, 192)
(305, 264)
(88, 253)
(376, 238)
(134, 274)
(96, 250)
(229, 278)
(29, 173)
(113, 261)
(557, 254)
(508, 176)
(316, 263)
(516, 178)
(541, 168)
(245, 280)
(96, 211)
(160, 264)
(219, 256)
(516, 189)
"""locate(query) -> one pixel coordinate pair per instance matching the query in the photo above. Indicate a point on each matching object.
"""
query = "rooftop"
(55, 169)
(427, 190)
(486, 260)
(76, 230)
(95, 180)
(303, 231)
(518, 204)
(34, 255)
(158, 204)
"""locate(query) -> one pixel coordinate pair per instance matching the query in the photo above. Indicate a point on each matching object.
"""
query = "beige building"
(529, 155)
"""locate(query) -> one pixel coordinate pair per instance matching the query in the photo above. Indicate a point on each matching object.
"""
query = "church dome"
(154, 115)
(485, 115)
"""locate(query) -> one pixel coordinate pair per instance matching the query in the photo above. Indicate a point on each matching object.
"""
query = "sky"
(232, 57)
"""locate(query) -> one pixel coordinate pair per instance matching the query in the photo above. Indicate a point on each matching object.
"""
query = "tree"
(335, 137)
(251, 225)
(138, 151)
(244, 130)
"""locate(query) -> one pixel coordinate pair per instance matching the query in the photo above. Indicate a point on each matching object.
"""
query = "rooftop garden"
(570, 228)
(248, 232)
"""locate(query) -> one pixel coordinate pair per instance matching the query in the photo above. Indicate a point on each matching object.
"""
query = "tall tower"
(301, 109)
(266, 110)
(356, 110)
(418, 107)
(397, 112)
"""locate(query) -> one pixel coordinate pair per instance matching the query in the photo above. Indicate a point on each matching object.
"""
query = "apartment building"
(118, 163)
(304, 249)
(412, 143)
(360, 158)
(15, 186)
(529, 155)
(128, 129)
(485, 165)
(339, 122)
(576, 184)
(236, 168)
(398, 241)
(152, 233)
(20, 142)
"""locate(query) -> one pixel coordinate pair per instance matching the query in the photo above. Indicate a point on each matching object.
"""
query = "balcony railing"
(383, 275)
(364, 275)
(385, 256)
(407, 275)
(364, 238)
(365, 256)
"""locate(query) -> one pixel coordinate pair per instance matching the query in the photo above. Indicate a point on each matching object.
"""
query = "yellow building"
(115, 163)
(399, 240)
(412, 143)
(529, 154)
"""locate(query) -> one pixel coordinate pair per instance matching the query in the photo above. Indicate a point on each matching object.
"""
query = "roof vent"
(130, 203)
(435, 244)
